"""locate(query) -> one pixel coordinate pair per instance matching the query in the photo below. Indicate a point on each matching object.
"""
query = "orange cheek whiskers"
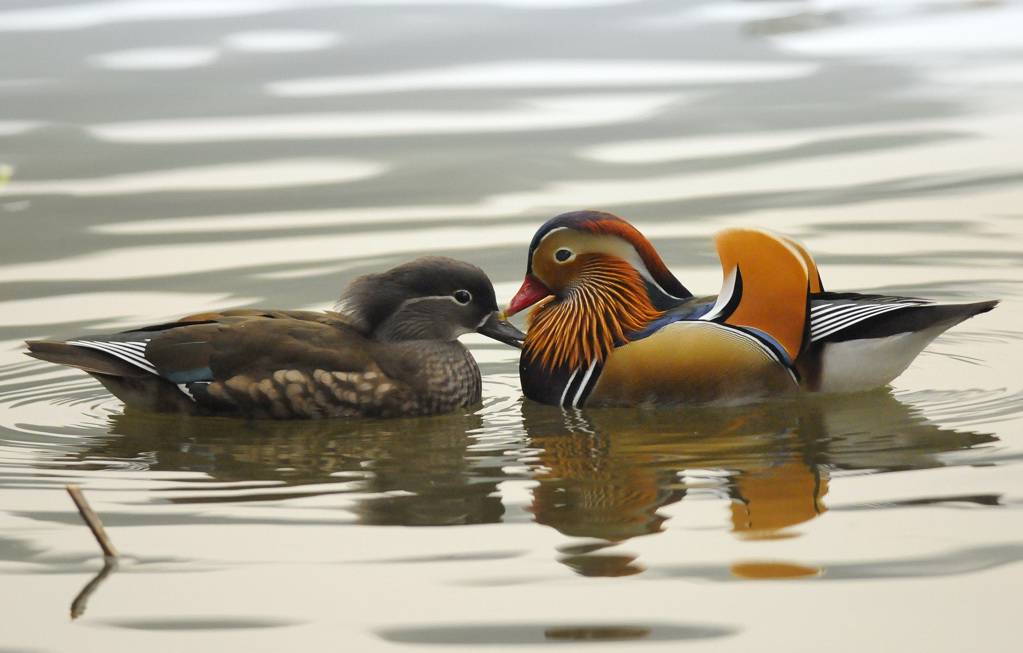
(607, 301)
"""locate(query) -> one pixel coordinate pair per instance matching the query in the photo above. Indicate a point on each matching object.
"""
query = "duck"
(610, 325)
(389, 349)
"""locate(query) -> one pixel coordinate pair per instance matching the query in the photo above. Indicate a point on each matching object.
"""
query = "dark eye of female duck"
(562, 255)
(463, 297)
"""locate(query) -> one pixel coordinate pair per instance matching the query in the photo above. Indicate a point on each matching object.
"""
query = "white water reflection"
(997, 241)
(980, 74)
(286, 220)
(14, 127)
(171, 260)
(949, 29)
(537, 114)
(664, 150)
(256, 175)
(972, 149)
(156, 58)
(962, 148)
(548, 74)
(115, 309)
(271, 41)
(180, 58)
(96, 14)
(728, 12)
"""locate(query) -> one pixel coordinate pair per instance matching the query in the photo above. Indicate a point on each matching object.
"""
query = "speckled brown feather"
(395, 353)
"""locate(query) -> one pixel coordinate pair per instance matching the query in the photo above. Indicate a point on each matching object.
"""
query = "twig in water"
(78, 605)
(93, 522)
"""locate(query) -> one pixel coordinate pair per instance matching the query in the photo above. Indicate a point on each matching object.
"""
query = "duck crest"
(608, 302)
(601, 223)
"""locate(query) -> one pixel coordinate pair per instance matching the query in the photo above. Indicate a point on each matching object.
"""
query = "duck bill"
(532, 291)
(501, 330)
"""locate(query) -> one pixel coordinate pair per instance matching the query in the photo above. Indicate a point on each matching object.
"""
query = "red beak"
(531, 292)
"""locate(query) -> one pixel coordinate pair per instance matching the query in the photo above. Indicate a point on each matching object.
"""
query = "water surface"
(162, 159)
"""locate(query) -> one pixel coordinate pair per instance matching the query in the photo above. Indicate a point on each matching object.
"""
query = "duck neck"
(597, 312)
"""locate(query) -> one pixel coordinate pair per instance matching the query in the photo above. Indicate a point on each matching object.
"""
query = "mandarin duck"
(611, 326)
(389, 349)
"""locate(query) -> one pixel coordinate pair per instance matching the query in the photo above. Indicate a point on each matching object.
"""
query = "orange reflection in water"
(606, 473)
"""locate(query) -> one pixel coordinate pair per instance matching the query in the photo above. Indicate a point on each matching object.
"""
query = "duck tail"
(89, 360)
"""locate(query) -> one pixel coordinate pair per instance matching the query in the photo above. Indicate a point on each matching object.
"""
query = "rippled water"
(162, 159)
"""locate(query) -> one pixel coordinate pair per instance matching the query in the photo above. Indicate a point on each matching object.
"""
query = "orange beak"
(531, 292)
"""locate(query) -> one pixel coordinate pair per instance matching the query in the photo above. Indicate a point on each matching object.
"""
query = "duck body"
(390, 350)
(611, 326)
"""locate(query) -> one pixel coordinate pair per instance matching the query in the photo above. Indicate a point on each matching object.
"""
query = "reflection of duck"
(416, 470)
(392, 350)
(605, 473)
(613, 327)
(765, 502)
(588, 488)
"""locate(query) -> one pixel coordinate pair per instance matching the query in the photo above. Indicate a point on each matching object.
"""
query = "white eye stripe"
(609, 244)
(427, 298)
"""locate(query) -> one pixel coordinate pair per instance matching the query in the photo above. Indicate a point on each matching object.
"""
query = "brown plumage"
(392, 350)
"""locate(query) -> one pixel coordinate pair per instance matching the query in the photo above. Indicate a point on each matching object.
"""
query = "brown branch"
(78, 605)
(92, 521)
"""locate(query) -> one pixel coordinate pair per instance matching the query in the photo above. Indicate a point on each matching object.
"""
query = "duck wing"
(766, 287)
(256, 363)
(860, 341)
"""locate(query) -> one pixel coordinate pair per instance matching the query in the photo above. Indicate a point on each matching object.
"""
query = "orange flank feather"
(608, 302)
(690, 363)
(775, 282)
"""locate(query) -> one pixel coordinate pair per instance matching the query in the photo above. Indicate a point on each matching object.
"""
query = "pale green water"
(169, 158)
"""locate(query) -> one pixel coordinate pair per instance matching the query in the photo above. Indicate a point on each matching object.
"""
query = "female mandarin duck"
(613, 327)
(390, 350)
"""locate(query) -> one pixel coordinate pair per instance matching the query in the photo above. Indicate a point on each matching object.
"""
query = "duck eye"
(562, 255)
(463, 297)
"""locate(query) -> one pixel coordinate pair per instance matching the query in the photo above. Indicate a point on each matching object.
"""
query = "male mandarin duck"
(390, 349)
(612, 326)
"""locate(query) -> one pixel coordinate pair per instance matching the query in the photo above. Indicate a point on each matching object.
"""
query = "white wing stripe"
(826, 308)
(818, 332)
(828, 318)
(132, 353)
(850, 316)
(127, 354)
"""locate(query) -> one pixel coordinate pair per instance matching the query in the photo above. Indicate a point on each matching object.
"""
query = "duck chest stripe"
(586, 385)
(133, 353)
(568, 386)
(579, 390)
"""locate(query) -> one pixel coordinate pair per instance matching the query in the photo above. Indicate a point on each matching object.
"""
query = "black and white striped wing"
(845, 317)
(132, 352)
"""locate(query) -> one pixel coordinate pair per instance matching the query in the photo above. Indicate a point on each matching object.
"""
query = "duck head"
(593, 279)
(430, 298)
